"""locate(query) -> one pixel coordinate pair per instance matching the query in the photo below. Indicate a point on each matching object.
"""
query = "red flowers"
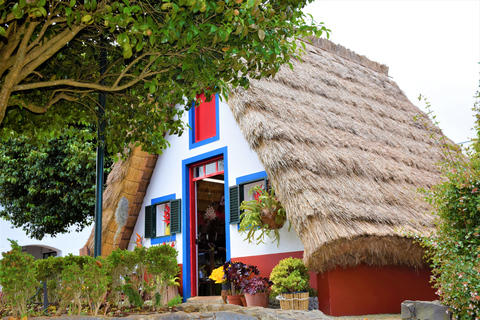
(166, 215)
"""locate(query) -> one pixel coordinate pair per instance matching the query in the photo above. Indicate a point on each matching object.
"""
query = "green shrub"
(162, 266)
(95, 284)
(290, 275)
(71, 289)
(49, 270)
(175, 301)
(74, 280)
(121, 265)
(454, 248)
(17, 277)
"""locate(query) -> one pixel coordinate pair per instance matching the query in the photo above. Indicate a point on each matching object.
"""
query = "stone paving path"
(202, 311)
(228, 311)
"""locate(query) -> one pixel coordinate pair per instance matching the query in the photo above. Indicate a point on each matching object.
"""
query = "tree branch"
(10, 17)
(48, 50)
(42, 32)
(6, 88)
(87, 85)
(40, 109)
(6, 52)
(130, 66)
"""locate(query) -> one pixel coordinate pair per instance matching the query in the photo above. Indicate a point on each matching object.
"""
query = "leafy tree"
(454, 248)
(158, 53)
(47, 189)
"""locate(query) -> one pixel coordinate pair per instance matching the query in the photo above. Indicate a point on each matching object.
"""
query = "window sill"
(162, 239)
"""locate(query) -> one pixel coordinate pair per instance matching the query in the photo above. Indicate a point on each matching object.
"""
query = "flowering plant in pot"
(236, 273)
(256, 291)
(264, 214)
(219, 277)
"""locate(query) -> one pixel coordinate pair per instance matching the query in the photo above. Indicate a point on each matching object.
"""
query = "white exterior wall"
(167, 179)
(63, 243)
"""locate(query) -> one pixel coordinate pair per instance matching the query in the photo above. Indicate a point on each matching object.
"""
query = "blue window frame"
(157, 201)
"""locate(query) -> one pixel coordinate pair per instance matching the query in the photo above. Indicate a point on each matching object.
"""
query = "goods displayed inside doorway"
(210, 218)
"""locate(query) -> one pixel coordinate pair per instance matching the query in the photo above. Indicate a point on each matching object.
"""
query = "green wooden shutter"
(150, 221)
(175, 216)
(234, 205)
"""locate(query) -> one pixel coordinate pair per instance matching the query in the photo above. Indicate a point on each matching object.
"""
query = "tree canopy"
(158, 54)
(48, 189)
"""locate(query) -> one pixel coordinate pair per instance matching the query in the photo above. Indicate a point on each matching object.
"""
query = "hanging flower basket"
(272, 219)
(264, 214)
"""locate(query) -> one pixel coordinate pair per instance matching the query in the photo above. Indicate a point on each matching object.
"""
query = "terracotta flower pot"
(244, 302)
(234, 299)
(257, 300)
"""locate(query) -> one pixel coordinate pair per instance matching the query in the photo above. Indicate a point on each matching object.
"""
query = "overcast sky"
(431, 47)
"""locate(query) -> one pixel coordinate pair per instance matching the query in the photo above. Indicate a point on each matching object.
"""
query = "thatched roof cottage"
(337, 138)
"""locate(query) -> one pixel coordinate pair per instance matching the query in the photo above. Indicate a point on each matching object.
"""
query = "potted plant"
(257, 291)
(264, 214)
(218, 276)
(236, 273)
(290, 280)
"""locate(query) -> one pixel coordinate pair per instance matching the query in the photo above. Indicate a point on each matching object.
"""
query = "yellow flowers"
(217, 275)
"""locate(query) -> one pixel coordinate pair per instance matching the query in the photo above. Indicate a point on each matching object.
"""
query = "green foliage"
(96, 283)
(49, 270)
(290, 275)
(454, 248)
(71, 288)
(175, 301)
(17, 277)
(161, 260)
(128, 270)
(78, 281)
(157, 301)
(158, 54)
(264, 214)
(122, 264)
(163, 267)
(132, 295)
(48, 189)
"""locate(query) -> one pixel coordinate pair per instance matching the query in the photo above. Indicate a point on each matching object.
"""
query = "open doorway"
(210, 242)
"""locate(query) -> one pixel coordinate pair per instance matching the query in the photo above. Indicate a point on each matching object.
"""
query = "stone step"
(206, 300)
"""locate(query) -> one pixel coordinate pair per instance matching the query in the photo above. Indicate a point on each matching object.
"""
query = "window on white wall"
(241, 192)
(162, 219)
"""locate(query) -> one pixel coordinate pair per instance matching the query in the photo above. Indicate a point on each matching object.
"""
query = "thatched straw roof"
(338, 140)
(123, 198)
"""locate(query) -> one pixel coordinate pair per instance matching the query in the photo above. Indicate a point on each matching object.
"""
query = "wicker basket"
(294, 301)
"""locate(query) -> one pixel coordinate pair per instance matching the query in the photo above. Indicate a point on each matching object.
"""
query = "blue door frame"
(186, 248)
